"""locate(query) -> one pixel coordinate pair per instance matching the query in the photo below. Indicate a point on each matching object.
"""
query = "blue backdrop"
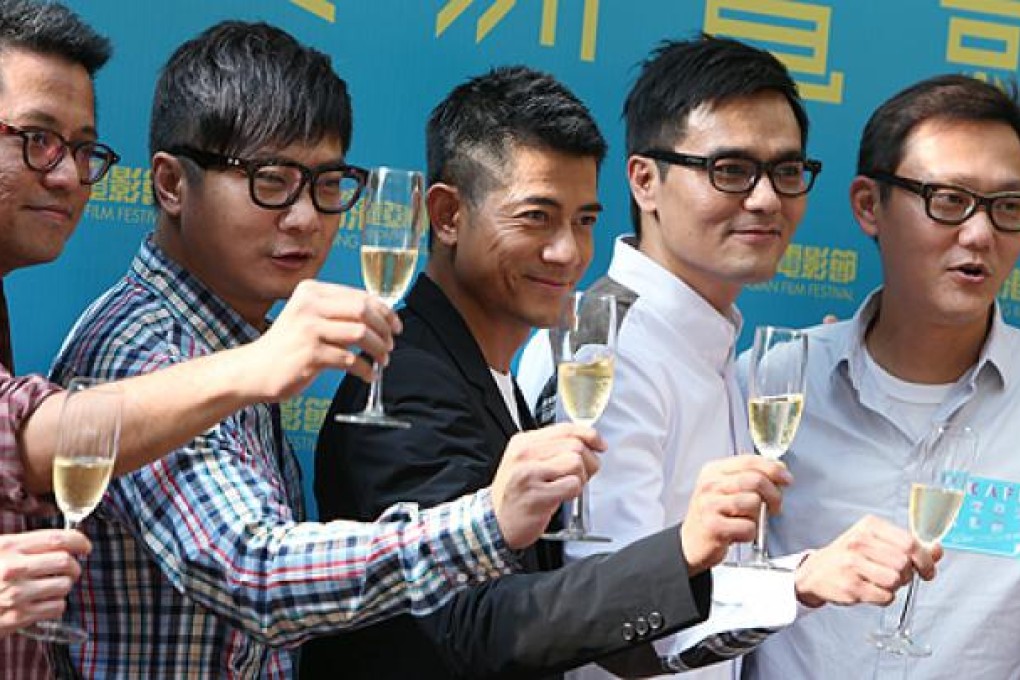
(400, 57)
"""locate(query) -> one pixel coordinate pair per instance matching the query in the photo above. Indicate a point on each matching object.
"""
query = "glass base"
(570, 535)
(899, 643)
(372, 419)
(56, 632)
(757, 562)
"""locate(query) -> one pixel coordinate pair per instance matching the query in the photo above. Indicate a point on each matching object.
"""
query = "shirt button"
(655, 620)
(641, 626)
(628, 632)
(462, 578)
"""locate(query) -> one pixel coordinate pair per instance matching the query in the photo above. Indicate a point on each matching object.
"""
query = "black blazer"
(518, 626)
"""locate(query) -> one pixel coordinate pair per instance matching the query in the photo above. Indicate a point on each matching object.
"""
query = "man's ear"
(168, 182)
(643, 176)
(445, 205)
(865, 200)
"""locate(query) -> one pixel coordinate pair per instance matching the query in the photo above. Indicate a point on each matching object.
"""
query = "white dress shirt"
(852, 456)
(670, 412)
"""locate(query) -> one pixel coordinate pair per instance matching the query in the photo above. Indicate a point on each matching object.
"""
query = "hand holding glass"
(943, 464)
(775, 401)
(394, 220)
(89, 433)
(584, 349)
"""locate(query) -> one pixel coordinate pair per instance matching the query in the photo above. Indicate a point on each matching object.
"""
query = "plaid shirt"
(21, 658)
(202, 567)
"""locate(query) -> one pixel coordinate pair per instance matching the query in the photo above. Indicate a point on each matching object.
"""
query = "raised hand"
(868, 563)
(540, 470)
(725, 506)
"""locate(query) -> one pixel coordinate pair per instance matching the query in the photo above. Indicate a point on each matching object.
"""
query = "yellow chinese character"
(101, 190)
(125, 185)
(815, 265)
(980, 42)
(1014, 285)
(290, 413)
(808, 53)
(789, 266)
(147, 187)
(315, 413)
(842, 266)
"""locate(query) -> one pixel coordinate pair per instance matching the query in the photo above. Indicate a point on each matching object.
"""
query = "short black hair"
(681, 75)
(478, 123)
(945, 97)
(51, 28)
(238, 87)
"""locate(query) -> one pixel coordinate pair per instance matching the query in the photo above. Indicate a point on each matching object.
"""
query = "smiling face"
(717, 242)
(509, 261)
(934, 273)
(39, 210)
(249, 256)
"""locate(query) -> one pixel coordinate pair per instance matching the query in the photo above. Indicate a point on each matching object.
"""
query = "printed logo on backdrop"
(983, 36)
(497, 10)
(124, 195)
(302, 417)
(320, 8)
(1009, 296)
(797, 33)
(813, 271)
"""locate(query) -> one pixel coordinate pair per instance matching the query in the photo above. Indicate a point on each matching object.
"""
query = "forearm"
(163, 410)
(298, 580)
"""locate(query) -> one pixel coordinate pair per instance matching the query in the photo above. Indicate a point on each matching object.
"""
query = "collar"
(190, 301)
(995, 360)
(711, 334)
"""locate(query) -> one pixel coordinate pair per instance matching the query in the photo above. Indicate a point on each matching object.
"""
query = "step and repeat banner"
(400, 57)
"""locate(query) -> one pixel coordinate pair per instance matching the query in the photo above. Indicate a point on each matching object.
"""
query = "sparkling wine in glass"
(395, 220)
(942, 469)
(87, 441)
(776, 383)
(584, 347)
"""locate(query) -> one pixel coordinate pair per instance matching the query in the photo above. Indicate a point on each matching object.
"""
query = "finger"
(46, 540)
(37, 590)
(33, 612)
(346, 334)
(17, 568)
(359, 366)
(775, 470)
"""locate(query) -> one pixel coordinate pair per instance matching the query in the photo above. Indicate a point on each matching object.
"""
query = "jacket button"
(641, 626)
(628, 632)
(655, 620)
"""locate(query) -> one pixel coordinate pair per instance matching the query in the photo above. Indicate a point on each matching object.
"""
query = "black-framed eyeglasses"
(740, 175)
(952, 205)
(276, 183)
(42, 150)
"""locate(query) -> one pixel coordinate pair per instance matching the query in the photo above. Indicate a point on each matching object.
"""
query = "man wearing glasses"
(203, 567)
(938, 188)
(49, 158)
(718, 172)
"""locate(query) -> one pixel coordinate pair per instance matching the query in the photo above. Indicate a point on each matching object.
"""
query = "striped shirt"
(202, 566)
(21, 658)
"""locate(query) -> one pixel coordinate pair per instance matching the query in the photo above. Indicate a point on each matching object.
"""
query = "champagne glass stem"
(576, 523)
(759, 555)
(907, 613)
(374, 404)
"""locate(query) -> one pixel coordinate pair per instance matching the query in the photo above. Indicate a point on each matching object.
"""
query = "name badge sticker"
(989, 520)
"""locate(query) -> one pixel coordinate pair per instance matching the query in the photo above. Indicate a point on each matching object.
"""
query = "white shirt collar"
(711, 334)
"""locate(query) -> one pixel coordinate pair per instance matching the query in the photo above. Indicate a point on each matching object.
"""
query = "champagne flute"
(584, 348)
(394, 221)
(87, 440)
(775, 402)
(943, 467)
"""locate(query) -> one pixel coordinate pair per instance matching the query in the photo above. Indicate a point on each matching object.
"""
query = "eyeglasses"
(739, 175)
(43, 150)
(276, 183)
(953, 205)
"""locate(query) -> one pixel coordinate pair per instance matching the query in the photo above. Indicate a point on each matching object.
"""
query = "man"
(513, 159)
(719, 176)
(202, 567)
(49, 157)
(938, 188)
